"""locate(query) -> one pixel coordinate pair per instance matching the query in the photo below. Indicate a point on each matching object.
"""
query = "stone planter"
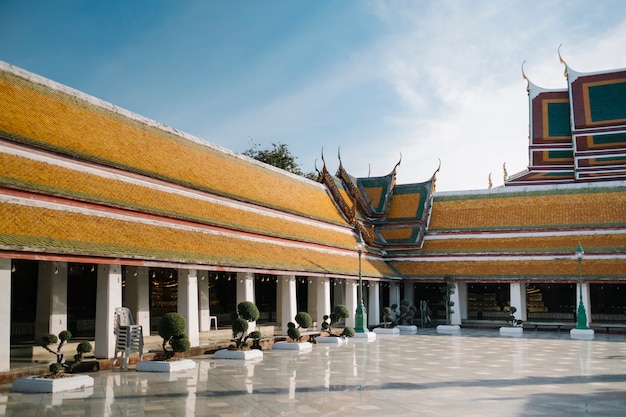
(239, 354)
(45, 385)
(332, 340)
(448, 329)
(387, 331)
(165, 366)
(582, 334)
(365, 336)
(407, 329)
(512, 331)
(299, 346)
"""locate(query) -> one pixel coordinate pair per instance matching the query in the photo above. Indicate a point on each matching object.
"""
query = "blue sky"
(431, 80)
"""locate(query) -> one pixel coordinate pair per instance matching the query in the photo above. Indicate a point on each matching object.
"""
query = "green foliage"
(293, 332)
(172, 328)
(511, 320)
(304, 319)
(65, 335)
(404, 312)
(348, 332)
(447, 291)
(339, 313)
(248, 311)
(388, 320)
(84, 347)
(55, 368)
(48, 339)
(279, 156)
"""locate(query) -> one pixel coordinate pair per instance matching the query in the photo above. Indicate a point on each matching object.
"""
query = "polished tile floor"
(477, 373)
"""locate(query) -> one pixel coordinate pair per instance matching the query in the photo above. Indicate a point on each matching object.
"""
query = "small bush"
(172, 328)
(55, 368)
(248, 310)
(304, 319)
(293, 332)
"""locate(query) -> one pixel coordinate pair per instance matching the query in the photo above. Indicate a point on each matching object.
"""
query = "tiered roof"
(83, 178)
(578, 133)
(388, 216)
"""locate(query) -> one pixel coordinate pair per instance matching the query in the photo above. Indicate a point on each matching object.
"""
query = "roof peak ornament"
(565, 71)
(526, 78)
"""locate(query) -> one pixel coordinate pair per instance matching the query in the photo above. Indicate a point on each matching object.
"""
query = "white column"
(51, 314)
(351, 288)
(204, 305)
(462, 305)
(518, 299)
(188, 303)
(288, 302)
(245, 287)
(138, 295)
(108, 297)
(586, 300)
(394, 294)
(373, 312)
(409, 293)
(455, 317)
(323, 299)
(5, 325)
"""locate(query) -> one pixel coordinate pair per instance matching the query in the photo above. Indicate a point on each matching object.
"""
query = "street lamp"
(582, 314)
(361, 315)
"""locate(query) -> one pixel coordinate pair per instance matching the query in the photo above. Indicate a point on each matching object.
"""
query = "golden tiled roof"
(50, 119)
(70, 230)
(505, 269)
(575, 207)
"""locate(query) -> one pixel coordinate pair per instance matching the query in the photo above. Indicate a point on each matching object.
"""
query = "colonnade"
(192, 301)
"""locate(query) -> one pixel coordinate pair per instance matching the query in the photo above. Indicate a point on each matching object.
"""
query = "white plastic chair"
(129, 337)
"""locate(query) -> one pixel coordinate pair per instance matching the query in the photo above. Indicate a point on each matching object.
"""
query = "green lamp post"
(582, 314)
(360, 317)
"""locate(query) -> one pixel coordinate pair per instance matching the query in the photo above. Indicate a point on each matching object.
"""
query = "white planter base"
(407, 329)
(239, 354)
(44, 385)
(448, 329)
(387, 331)
(332, 340)
(165, 366)
(582, 334)
(301, 346)
(511, 331)
(365, 336)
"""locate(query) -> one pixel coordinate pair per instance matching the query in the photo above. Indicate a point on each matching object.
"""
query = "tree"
(279, 156)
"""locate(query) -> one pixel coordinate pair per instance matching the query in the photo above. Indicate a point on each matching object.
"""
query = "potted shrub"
(514, 325)
(303, 321)
(59, 378)
(172, 328)
(388, 326)
(247, 312)
(339, 313)
(447, 291)
(405, 312)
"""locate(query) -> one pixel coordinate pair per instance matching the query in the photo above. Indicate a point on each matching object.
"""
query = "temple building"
(102, 208)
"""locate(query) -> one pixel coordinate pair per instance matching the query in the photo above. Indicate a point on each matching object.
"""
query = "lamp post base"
(360, 319)
(582, 334)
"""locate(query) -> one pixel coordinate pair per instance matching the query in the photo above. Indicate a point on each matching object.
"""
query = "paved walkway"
(477, 373)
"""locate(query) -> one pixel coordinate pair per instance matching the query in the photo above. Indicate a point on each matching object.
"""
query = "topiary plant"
(172, 328)
(447, 291)
(304, 320)
(64, 337)
(339, 313)
(388, 320)
(511, 320)
(246, 312)
(404, 312)
(50, 339)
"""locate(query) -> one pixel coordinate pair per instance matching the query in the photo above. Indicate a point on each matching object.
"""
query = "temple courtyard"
(476, 373)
